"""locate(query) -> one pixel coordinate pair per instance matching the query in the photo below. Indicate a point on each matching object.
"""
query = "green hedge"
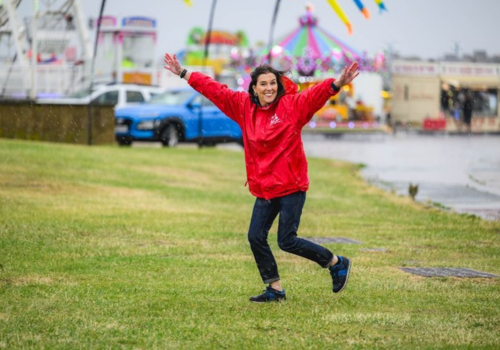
(56, 123)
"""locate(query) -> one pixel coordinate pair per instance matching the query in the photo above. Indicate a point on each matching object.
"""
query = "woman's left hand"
(348, 75)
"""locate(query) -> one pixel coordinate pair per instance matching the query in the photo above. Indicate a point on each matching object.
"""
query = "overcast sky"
(426, 28)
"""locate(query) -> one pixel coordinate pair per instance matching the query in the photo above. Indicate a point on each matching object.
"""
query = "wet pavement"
(459, 172)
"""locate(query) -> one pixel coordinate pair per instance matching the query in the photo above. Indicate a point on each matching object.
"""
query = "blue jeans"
(290, 209)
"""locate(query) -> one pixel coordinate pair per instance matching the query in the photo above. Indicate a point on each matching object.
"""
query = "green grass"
(144, 248)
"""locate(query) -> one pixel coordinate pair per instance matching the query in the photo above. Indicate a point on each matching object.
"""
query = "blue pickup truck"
(179, 115)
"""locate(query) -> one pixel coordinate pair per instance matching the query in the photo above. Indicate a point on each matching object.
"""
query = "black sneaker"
(269, 295)
(340, 273)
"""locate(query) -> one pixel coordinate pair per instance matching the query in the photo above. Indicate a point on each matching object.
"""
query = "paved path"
(460, 172)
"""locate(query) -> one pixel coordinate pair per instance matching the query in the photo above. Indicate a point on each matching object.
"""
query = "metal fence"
(60, 80)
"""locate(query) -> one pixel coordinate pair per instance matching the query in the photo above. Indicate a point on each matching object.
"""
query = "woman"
(271, 116)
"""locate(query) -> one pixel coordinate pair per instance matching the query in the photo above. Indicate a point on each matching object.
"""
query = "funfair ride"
(126, 49)
(49, 54)
(38, 53)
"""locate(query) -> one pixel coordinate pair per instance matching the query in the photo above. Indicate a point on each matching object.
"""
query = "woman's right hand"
(172, 64)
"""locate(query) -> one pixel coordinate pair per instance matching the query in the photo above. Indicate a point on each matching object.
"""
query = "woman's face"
(266, 88)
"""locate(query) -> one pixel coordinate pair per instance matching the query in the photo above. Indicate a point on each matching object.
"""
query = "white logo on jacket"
(275, 120)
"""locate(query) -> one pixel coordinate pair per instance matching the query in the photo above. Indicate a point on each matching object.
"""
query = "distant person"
(271, 116)
(351, 107)
(445, 104)
(457, 113)
(467, 108)
(388, 118)
(388, 121)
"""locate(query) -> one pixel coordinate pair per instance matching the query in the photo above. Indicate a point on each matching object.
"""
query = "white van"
(119, 95)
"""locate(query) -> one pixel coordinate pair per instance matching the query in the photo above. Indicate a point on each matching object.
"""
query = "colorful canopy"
(311, 50)
(311, 39)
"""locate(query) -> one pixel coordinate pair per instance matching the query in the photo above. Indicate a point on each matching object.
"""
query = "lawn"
(143, 248)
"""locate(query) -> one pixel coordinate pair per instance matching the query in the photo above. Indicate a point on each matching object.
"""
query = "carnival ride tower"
(310, 51)
(126, 48)
(43, 38)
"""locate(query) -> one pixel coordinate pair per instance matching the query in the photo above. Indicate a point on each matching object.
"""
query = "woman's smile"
(266, 88)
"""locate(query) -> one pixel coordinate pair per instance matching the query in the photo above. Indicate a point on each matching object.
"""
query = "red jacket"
(274, 155)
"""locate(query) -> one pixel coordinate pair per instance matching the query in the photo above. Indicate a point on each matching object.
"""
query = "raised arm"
(173, 65)
(311, 100)
(347, 76)
(227, 100)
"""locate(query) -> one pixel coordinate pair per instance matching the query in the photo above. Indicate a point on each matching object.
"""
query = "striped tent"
(309, 38)
(311, 50)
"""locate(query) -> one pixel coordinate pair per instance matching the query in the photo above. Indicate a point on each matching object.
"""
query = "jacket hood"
(290, 87)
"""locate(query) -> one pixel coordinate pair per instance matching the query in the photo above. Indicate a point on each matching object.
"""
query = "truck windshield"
(171, 98)
(81, 93)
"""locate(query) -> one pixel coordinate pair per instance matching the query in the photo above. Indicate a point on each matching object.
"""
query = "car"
(118, 95)
(177, 115)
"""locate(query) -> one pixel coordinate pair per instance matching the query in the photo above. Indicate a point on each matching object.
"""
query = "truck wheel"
(209, 144)
(125, 143)
(170, 136)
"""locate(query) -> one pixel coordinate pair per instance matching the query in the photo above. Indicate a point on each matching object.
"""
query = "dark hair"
(265, 69)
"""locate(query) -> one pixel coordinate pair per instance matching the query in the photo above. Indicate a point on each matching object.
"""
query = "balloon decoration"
(381, 5)
(338, 10)
(362, 8)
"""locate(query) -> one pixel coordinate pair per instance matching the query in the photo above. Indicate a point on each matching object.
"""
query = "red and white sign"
(445, 68)
(414, 68)
(470, 70)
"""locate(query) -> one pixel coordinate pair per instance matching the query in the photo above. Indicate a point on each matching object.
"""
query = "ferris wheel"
(47, 35)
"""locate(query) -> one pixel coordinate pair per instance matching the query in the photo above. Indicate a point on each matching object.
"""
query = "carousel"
(310, 51)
